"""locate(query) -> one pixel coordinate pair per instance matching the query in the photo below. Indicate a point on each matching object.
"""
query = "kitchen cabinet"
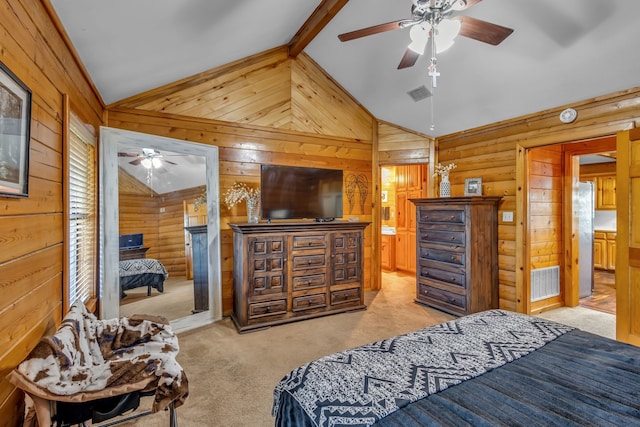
(604, 250)
(605, 192)
(599, 250)
(611, 251)
(388, 252)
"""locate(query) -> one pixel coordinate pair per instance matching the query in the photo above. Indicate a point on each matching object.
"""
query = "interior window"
(82, 209)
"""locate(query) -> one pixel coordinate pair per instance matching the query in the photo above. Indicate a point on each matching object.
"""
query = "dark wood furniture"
(199, 254)
(292, 271)
(133, 253)
(457, 253)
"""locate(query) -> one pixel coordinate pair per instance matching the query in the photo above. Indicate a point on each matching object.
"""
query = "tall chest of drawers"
(457, 253)
(285, 272)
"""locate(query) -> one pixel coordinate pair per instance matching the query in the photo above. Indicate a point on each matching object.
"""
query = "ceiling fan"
(436, 17)
(149, 158)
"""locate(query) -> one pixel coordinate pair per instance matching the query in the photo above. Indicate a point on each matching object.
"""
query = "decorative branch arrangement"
(359, 183)
(444, 170)
(240, 191)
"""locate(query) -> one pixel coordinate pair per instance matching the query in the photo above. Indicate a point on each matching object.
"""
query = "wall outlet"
(507, 216)
(162, 210)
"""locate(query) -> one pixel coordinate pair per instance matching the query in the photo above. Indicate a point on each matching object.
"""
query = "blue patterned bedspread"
(132, 267)
(362, 385)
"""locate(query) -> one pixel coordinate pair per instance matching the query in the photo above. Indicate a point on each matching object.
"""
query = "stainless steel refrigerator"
(585, 209)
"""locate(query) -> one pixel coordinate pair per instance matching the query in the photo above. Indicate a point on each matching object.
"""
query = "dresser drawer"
(428, 271)
(441, 236)
(442, 255)
(309, 242)
(309, 281)
(267, 308)
(303, 262)
(442, 298)
(309, 302)
(345, 296)
(432, 215)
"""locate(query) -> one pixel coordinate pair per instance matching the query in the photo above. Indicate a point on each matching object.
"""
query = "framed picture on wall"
(15, 123)
(473, 187)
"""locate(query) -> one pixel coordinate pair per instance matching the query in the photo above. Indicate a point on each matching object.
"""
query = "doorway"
(109, 219)
(556, 226)
(400, 184)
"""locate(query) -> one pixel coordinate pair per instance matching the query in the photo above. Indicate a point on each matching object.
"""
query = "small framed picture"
(15, 122)
(473, 187)
(384, 196)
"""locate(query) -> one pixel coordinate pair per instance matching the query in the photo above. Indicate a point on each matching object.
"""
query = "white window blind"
(82, 212)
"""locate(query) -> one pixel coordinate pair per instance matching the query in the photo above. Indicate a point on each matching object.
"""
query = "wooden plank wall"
(242, 149)
(171, 242)
(401, 146)
(160, 217)
(138, 211)
(545, 214)
(31, 229)
(497, 153)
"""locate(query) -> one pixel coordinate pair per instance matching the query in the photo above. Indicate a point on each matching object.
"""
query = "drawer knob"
(453, 237)
(268, 309)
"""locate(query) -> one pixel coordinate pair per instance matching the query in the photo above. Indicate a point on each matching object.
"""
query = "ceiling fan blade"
(127, 155)
(169, 161)
(483, 31)
(136, 162)
(381, 28)
(408, 59)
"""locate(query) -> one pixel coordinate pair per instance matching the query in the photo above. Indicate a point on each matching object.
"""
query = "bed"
(147, 272)
(487, 369)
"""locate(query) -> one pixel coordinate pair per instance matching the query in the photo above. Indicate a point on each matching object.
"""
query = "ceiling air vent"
(419, 93)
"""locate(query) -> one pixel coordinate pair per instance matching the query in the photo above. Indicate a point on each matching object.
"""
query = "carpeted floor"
(174, 302)
(231, 376)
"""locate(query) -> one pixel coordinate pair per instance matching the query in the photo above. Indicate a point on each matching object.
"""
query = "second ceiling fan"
(436, 19)
(148, 158)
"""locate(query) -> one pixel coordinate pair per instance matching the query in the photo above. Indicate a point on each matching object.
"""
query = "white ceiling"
(189, 171)
(560, 52)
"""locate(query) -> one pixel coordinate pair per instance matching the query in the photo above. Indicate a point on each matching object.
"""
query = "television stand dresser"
(457, 253)
(284, 272)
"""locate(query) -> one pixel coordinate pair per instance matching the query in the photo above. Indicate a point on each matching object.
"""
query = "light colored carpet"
(596, 322)
(232, 376)
(175, 302)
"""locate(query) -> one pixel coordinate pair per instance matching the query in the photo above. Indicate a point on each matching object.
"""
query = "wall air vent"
(419, 93)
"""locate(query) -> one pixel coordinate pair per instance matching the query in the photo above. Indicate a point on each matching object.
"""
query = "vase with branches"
(240, 191)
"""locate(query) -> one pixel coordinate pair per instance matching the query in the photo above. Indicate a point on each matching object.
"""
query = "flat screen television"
(292, 192)
(131, 241)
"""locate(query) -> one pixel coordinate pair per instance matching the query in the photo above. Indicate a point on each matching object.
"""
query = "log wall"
(32, 228)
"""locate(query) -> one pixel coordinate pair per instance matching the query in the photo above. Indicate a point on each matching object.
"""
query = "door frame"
(570, 278)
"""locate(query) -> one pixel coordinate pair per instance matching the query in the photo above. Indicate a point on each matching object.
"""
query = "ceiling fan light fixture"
(419, 38)
(146, 163)
(156, 162)
(446, 32)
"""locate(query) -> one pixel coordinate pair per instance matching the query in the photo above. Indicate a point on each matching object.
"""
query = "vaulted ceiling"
(560, 51)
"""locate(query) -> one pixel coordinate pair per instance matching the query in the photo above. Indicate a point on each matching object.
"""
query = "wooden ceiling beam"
(320, 17)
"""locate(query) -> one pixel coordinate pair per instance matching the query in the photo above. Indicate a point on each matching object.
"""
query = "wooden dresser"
(457, 253)
(284, 272)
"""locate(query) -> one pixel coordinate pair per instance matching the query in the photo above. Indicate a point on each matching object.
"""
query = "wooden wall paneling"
(241, 145)
(319, 104)
(170, 97)
(31, 254)
(597, 117)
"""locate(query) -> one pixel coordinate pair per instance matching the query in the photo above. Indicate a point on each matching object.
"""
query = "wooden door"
(192, 217)
(628, 237)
